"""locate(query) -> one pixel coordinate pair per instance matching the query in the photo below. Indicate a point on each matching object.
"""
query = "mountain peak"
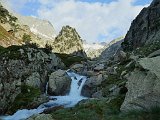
(68, 41)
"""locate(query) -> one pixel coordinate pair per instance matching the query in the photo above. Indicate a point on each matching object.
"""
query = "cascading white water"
(46, 89)
(69, 100)
(74, 95)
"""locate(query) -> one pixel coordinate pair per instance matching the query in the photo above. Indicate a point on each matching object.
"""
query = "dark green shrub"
(26, 39)
(48, 48)
(28, 94)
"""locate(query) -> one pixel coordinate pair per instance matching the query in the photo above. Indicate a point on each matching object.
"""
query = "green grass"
(148, 49)
(68, 60)
(102, 110)
(12, 52)
(90, 110)
(28, 94)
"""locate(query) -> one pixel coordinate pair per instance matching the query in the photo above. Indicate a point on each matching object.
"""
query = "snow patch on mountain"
(35, 31)
(94, 46)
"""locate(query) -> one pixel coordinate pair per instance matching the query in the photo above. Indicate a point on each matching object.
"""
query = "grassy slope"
(102, 110)
(7, 39)
(68, 60)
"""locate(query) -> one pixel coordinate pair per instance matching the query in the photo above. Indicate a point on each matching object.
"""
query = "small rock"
(41, 117)
(97, 95)
(99, 67)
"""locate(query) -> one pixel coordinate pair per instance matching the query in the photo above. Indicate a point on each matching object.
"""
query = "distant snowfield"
(94, 46)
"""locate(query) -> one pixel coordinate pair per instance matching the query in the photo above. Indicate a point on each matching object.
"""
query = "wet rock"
(59, 83)
(53, 109)
(38, 101)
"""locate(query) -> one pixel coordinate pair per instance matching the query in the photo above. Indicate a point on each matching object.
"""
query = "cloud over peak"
(94, 21)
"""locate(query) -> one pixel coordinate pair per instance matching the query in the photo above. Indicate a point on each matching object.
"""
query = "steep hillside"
(7, 28)
(110, 49)
(145, 29)
(142, 44)
(69, 42)
(6, 38)
(42, 28)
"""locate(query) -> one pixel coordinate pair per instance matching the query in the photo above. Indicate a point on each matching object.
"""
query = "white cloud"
(91, 20)
(14, 4)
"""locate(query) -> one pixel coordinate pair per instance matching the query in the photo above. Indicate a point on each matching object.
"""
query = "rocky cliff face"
(144, 38)
(7, 39)
(7, 28)
(42, 28)
(143, 85)
(23, 65)
(145, 29)
(111, 49)
(69, 42)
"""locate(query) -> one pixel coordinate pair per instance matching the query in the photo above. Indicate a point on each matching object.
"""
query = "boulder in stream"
(59, 83)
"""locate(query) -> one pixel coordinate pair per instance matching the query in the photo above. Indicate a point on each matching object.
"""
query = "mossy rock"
(148, 49)
(12, 52)
(25, 98)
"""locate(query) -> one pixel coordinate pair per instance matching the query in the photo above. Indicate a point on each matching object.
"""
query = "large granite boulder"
(77, 68)
(143, 85)
(59, 83)
(91, 84)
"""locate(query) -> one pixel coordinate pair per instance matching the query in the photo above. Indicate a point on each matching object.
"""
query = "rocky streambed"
(68, 100)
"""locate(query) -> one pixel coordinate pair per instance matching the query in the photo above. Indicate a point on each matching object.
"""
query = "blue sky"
(31, 6)
(95, 20)
(139, 2)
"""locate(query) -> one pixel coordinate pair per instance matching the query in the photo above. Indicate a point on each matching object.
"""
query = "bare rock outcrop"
(22, 65)
(143, 85)
(59, 83)
(69, 42)
(145, 29)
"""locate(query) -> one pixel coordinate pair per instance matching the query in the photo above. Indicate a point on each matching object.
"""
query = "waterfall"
(74, 95)
(69, 100)
(46, 89)
(76, 84)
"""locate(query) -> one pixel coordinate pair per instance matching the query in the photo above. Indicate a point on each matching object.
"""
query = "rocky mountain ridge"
(69, 42)
(42, 28)
(144, 29)
(126, 78)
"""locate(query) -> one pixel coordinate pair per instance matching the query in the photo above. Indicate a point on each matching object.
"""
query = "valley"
(50, 76)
